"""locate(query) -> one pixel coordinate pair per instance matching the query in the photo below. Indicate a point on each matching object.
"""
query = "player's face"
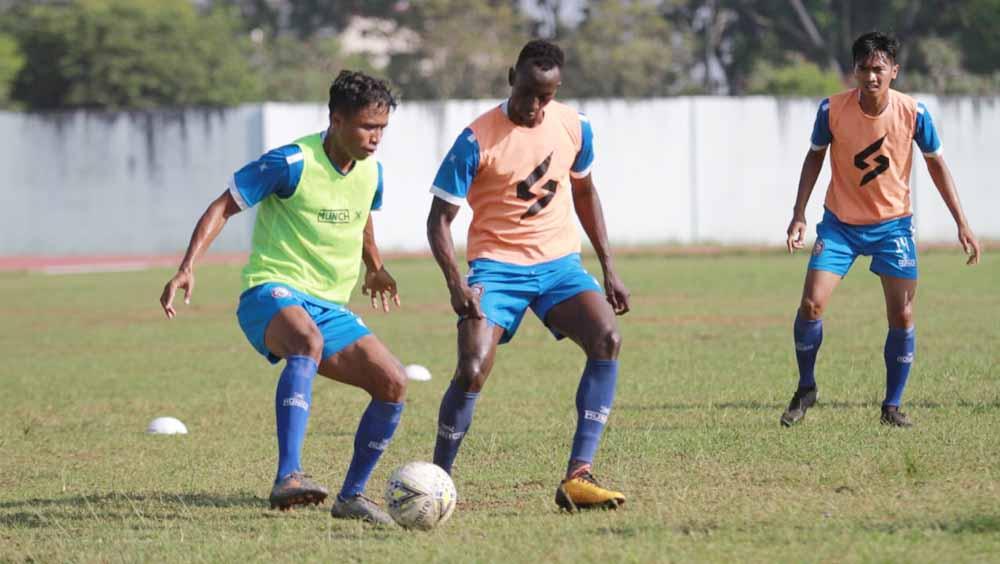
(531, 89)
(875, 73)
(359, 134)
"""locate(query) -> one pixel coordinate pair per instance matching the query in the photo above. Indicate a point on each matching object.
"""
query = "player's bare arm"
(588, 208)
(464, 300)
(378, 284)
(811, 167)
(206, 230)
(945, 184)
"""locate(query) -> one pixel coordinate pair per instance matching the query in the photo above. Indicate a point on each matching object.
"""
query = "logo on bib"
(334, 216)
(861, 161)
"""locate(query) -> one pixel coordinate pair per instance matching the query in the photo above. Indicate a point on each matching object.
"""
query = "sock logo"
(905, 359)
(297, 400)
(379, 445)
(599, 416)
(803, 347)
(448, 433)
(861, 161)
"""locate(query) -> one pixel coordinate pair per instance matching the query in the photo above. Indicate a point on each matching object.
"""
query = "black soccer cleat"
(803, 399)
(296, 489)
(892, 416)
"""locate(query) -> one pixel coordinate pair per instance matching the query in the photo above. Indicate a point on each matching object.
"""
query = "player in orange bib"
(870, 131)
(524, 168)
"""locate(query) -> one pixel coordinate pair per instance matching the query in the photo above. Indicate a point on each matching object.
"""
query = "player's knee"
(902, 318)
(810, 309)
(391, 386)
(472, 373)
(309, 343)
(605, 344)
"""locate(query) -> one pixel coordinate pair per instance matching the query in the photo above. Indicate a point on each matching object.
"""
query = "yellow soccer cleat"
(583, 492)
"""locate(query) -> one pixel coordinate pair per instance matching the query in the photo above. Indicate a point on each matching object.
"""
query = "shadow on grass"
(158, 506)
(754, 405)
(972, 524)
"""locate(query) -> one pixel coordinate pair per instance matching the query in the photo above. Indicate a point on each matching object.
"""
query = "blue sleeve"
(584, 158)
(458, 169)
(377, 200)
(276, 172)
(822, 136)
(925, 134)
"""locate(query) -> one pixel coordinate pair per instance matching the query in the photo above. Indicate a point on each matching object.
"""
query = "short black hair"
(543, 54)
(874, 42)
(352, 91)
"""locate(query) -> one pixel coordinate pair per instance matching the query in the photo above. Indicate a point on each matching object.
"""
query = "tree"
(11, 63)
(293, 70)
(129, 54)
(465, 48)
(626, 48)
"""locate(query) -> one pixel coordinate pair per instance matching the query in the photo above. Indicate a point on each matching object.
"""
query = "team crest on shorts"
(280, 292)
(818, 247)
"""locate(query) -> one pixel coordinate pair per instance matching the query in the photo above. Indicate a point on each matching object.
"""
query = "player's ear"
(895, 71)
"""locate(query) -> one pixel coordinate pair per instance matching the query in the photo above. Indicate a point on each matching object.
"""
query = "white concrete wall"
(128, 183)
(681, 170)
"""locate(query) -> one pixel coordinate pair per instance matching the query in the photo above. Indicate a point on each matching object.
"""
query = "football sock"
(292, 399)
(900, 345)
(808, 338)
(375, 431)
(454, 420)
(594, 397)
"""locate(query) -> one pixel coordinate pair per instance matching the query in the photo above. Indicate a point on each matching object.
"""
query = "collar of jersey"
(322, 139)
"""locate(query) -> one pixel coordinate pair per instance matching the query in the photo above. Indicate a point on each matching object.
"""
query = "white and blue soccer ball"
(420, 495)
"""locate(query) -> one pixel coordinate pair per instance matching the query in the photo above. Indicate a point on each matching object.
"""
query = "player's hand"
(381, 286)
(969, 244)
(616, 293)
(796, 234)
(184, 279)
(465, 301)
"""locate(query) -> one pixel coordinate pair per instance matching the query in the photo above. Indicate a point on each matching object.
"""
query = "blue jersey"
(277, 172)
(924, 134)
(461, 166)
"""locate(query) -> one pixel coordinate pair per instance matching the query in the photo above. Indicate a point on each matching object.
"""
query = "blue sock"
(454, 420)
(292, 399)
(808, 338)
(593, 405)
(375, 431)
(900, 345)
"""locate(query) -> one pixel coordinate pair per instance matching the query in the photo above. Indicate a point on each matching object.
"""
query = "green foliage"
(799, 78)
(621, 49)
(129, 54)
(295, 70)
(464, 51)
(11, 63)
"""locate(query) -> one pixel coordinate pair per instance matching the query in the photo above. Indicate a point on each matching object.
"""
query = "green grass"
(694, 440)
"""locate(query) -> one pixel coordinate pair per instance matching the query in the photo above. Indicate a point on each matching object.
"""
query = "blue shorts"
(890, 244)
(258, 305)
(508, 290)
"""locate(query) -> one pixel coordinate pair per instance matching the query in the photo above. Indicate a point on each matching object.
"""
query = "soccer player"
(312, 232)
(870, 130)
(524, 167)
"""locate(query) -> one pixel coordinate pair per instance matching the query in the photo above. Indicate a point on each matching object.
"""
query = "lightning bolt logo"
(861, 161)
(524, 188)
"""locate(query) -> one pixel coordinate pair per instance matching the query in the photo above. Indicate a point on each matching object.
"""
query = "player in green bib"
(312, 232)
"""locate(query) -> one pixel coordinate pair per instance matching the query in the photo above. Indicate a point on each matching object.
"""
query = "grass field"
(694, 440)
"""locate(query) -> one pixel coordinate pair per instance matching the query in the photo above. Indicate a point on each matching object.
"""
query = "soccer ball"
(420, 495)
